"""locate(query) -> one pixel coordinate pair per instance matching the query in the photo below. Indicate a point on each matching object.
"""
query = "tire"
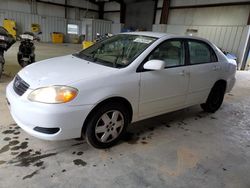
(1, 69)
(32, 59)
(1, 66)
(215, 98)
(23, 63)
(107, 125)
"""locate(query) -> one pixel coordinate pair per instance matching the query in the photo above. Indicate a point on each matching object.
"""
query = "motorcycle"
(102, 37)
(6, 41)
(26, 53)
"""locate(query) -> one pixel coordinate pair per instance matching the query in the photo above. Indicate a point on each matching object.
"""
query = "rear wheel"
(215, 98)
(107, 125)
(1, 69)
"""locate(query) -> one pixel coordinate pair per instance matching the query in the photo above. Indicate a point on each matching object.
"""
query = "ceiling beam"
(211, 5)
(119, 1)
(67, 6)
(101, 10)
(94, 2)
(122, 12)
(155, 10)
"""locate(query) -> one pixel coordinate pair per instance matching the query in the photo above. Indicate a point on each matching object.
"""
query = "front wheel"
(1, 66)
(215, 98)
(24, 63)
(106, 125)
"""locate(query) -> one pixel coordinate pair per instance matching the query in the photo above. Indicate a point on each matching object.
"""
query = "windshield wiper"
(86, 57)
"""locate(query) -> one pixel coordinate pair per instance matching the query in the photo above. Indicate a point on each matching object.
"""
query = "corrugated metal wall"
(101, 26)
(91, 27)
(226, 37)
(48, 24)
(229, 38)
(51, 24)
(225, 26)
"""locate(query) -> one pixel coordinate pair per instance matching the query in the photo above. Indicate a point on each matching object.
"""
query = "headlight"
(53, 94)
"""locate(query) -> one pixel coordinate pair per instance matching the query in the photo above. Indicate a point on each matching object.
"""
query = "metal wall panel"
(229, 38)
(201, 2)
(48, 24)
(91, 27)
(237, 38)
(101, 27)
(222, 15)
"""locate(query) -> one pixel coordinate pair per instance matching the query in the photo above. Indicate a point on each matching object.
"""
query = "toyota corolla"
(98, 91)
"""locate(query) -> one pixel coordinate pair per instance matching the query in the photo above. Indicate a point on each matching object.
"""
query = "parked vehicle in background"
(26, 53)
(230, 55)
(125, 78)
(6, 41)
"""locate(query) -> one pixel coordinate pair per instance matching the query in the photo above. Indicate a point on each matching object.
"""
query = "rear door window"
(200, 52)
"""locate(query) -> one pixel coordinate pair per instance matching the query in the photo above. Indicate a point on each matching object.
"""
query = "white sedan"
(126, 78)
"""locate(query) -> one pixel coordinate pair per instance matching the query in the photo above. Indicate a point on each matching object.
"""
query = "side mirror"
(154, 65)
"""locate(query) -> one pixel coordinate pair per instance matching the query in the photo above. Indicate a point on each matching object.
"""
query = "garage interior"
(186, 148)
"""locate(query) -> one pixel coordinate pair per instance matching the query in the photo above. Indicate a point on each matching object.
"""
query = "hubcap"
(109, 126)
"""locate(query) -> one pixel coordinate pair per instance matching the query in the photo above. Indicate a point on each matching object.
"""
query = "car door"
(204, 71)
(164, 90)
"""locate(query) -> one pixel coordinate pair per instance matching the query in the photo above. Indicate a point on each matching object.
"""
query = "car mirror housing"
(154, 65)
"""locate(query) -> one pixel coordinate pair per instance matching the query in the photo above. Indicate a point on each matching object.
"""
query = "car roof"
(160, 35)
(149, 34)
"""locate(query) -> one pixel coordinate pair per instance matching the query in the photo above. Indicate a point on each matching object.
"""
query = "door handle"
(215, 68)
(183, 73)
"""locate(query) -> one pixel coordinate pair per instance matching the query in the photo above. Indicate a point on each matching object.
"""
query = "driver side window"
(171, 52)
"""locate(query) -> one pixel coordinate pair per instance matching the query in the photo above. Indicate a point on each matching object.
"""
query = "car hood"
(62, 71)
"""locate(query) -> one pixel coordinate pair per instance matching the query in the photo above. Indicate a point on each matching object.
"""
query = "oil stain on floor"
(22, 155)
(79, 162)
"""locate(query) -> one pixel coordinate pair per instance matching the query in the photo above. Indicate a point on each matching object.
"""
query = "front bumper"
(230, 84)
(28, 115)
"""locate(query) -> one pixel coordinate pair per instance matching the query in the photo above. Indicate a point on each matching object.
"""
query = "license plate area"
(1, 37)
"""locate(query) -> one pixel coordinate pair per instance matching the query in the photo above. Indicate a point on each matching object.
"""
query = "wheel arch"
(106, 101)
(221, 82)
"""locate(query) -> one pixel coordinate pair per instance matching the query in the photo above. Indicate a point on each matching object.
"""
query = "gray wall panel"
(140, 15)
(48, 24)
(229, 38)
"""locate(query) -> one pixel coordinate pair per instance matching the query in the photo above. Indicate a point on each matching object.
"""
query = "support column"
(155, 10)
(101, 10)
(65, 9)
(33, 7)
(248, 22)
(165, 12)
(122, 12)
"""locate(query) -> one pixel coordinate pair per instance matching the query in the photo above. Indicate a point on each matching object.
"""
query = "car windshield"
(118, 51)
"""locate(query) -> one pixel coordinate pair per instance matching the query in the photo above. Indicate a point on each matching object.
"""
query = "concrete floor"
(186, 148)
